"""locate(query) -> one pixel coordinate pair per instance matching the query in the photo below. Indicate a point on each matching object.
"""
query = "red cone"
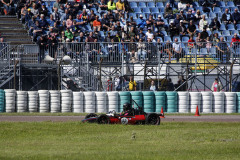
(162, 113)
(197, 112)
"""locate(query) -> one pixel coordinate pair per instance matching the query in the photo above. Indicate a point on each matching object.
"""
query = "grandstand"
(148, 39)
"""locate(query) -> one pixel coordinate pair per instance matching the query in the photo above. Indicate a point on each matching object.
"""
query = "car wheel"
(103, 119)
(90, 115)
(153, 119)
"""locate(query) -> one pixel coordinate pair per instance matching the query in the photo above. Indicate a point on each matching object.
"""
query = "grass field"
(76, 140)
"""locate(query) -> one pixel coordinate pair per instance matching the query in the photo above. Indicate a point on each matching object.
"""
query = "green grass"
(76, 140)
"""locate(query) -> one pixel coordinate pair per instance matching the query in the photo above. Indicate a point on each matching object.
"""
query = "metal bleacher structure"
(89, 70)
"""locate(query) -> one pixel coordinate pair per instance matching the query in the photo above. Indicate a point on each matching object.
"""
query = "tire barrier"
(195, 100)
(206, 102)
(230, 102)
(148, 101)
(137, 96)
(33, 101)
(125, 97)
(160, 101)
(55, 101)
(21, 101)
(238, 102)
(101, 102)
(113, 101)
(77, 105)
(66, 101)
(10, 100)
(218, 102)
(43, 101)
(183, 102)
(2, 102)
(89, 102)
(171, 99)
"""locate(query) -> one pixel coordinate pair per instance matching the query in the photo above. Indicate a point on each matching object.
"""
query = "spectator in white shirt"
(203, 23)
(177, 49)
(149, 34)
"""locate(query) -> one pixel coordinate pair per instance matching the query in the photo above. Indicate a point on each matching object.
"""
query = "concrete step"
(7, 25)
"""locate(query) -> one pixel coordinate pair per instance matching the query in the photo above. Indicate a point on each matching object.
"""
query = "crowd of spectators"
(109, 21)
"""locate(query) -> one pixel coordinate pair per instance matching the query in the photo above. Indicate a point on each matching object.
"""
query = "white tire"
(77, 103)
(90, 111)
(113, 94)
(77, 110)
(218, 103)
(183, 110)
(21, 92)
(230, 98)
(230, 94)
(10, 94)
(66, 91)
(89, 103)
(206, 94)
(185, 94)
(89, 94)
(43, 91)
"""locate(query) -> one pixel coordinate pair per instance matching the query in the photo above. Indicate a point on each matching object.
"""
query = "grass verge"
(76, 140)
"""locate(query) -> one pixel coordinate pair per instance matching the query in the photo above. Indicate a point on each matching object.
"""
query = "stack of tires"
(32, 101)
(137, 97)
(218, 102)
(21, 101)
(125, 97)
(55, 101)
(207, 102)
(2, 103)
(160, 101)
(195, 100)
(230, 102)
(172, 101)
(89, 102)
(43, 101)
(10, 97)
(183, 102)
(113, 101)
(238, 102)
(101, 102)
(66, 101)
(77, 105)
(148, 101)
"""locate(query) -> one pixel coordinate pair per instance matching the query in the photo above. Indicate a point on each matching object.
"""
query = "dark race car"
(128, 116)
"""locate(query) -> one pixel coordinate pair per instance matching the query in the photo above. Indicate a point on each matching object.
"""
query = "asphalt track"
(204, 118)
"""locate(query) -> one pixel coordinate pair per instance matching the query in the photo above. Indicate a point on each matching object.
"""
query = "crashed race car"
(128, 116)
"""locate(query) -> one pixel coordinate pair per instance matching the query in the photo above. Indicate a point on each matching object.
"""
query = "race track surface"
(204, 118)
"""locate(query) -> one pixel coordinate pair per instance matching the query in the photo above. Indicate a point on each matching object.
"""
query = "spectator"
(105, 23)
(69, 22)
(200, 42)
(111, 5)
(109, 84)
(223, 50)
(92, 17)
(168, 12)
(203, 23)
(177, 20)
(191, 28)
(43, 10)
(133, 56)
(208, 44)
(182, 16)
(198, 17)
(215, 39)
(56, 15)
(43, 22)
(236, 16)
(7, 4)
(204, 34)
(42, 46)
(90, 37)
(235, 41)
(149, 34)
(150, 21)
(69, 34)
(168, 48)
(34, 10)
(120, 6)
(153, 86)
(191, 42)
(177, 49)
(102, 6)
(132, 46)
(141, 50)
(51, 21)
(132, 32)
(184, 4)
(170, 86)
(141, 23)
(181, 84)
(24, 11)
(173, 30)
(37, 31)
(160, 23)
(227, 17)
(132, 84)
(182, 29)
(190, 16)
(111, 17)
(56, 5)
(97, 24)
(215, 24)
(65, 15)
(216, 86)
(207, 3)
(52, 46)
(61, 10)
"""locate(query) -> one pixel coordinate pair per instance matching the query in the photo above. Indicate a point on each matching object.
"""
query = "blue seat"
(161, 40)
(142, 5)
(164, 33)
(226, 33)
(238, 27)
(213, 51)
(179, 40)
(199, 8)
(89, 28)
(133, 15)
(144, 16)
(195, 4)
(155, 10)
(230, 4)
(151, 4)
(186, 50)
(237, 52)
(167, 38)
(185, 39)
(219, 33)
(212, 15)
(234, 31)
(228, 38)
(161, 10)
(160, 5)
(224, 8)
(94, 10)
(221, 4)
(203, 51)
(146, 10)
(133, 5)
(209, 33)
(137, 10)
(230, 27)
(222, 27)
(217, 10)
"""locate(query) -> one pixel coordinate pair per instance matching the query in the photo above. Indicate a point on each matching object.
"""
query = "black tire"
(103, 119)
(153, 119)
(90, 115)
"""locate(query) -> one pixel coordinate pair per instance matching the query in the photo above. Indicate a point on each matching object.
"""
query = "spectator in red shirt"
(97, 24)
(191, 42)
(235, 41)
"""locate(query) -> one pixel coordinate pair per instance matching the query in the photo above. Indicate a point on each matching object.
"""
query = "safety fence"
(91, 102)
